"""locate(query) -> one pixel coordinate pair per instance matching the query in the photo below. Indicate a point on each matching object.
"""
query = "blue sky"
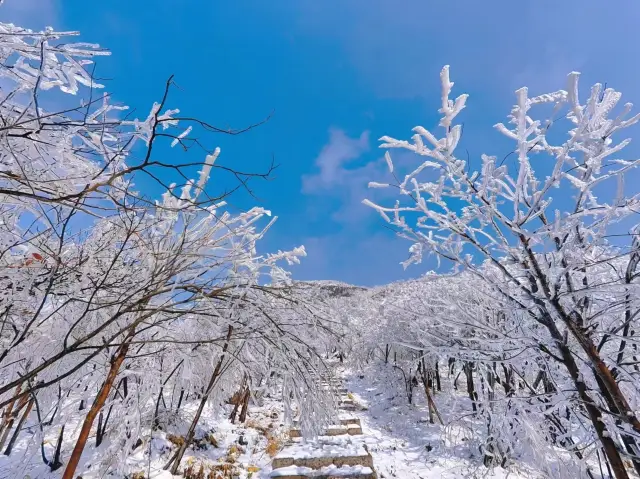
(339, 74)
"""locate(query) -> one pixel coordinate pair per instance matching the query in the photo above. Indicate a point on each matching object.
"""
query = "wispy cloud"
(333, 162)
(346, 166)
(343, 174)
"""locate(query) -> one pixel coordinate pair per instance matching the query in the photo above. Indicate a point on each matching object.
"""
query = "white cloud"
(333, 159)
(346, 184)
(338, 179)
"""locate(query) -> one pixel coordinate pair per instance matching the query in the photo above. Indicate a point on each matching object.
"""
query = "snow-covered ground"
(402, 441)
(231, 450)
(398, 435)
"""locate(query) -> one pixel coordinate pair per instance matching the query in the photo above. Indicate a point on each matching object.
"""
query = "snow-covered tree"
(535, 226)
(112, 300)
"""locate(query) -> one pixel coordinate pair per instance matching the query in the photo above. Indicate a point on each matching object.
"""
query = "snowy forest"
(153, 337)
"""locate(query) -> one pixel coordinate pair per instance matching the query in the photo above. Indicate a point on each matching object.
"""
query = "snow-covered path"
(389, 437)
(403, 443)
(341, 452)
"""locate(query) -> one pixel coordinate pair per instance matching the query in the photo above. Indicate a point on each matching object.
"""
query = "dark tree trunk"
(471, 389)
(237, 399)
(11, 416)
(629, 442)
(16, 433)
(99, 429)
(608, 444)
(57, 463)
(180, 399)
(174, 462)
(431, 403)
(245, 405)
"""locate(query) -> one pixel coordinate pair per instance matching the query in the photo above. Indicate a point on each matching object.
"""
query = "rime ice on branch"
(113, 305)
(536, 226)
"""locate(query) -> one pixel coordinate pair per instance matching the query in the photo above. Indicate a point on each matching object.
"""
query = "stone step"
(338, 390)
(344, 421)
(326, 451)
(295, 472)
(321, 462)
(334, 430)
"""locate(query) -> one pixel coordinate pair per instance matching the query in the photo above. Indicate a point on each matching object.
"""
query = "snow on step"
(338, 390)
(325, 451)
(333, 430)
(329, 472)
(345, 420)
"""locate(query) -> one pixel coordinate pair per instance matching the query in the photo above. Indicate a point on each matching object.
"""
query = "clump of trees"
(116, 310)
(547, 305)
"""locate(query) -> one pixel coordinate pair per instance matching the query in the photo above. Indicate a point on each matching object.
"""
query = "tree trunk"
(55, 411)
(14, 414)
(101, 398)
(156, 412)
(177, 458)
(7, 416)
(507, 384)
(180, 400)
(57, 463)
(237, 398)
(432, 405)
(601, 370)
(471, 389)
(245, 405)
(629, 442)
(100, 429)
(489, 456)
(608, 445)
(16, 433)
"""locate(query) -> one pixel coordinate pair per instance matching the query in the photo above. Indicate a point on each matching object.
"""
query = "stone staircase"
(339, 452)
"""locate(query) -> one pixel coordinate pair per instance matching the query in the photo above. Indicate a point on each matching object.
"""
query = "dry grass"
(175, 440)
(204, 470)
(264, 430)
(194, 472)
(274, 445)
(233, 453)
